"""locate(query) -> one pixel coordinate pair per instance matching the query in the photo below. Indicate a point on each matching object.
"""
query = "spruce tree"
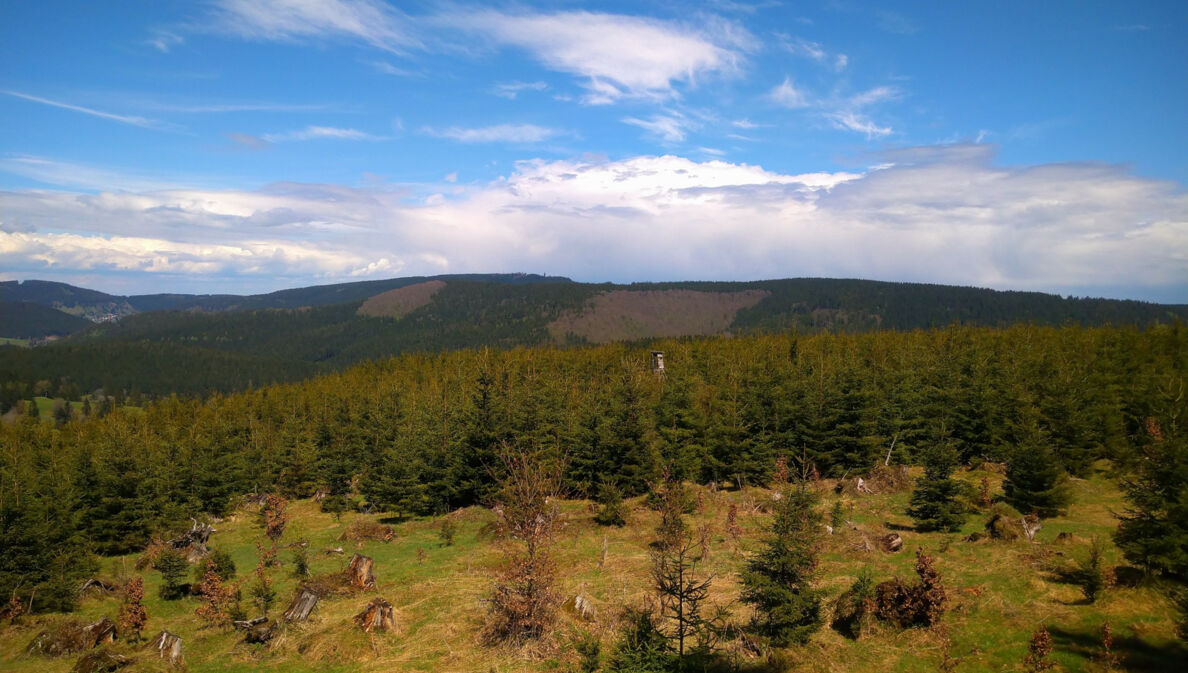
(611, 511)
(1034, 481)
(934, 504)
(1153, 532)
(778, 581)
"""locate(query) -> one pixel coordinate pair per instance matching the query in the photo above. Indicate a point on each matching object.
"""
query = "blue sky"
(245, 146)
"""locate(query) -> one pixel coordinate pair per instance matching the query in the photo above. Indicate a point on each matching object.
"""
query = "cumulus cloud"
(619, 56)
(944, 214)
(499, 133)
(371, 21)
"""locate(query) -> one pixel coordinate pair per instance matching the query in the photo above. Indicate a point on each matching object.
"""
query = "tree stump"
(301, 606)
(581, 607)
(1031, 526)
(861, 487)
(100, 661)
(891, 542)
(168, 647)
(359, 572)
(102, 631)
(377, 616)
(260, 633)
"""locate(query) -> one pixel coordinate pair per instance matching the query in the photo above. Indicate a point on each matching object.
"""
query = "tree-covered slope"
(24, 320)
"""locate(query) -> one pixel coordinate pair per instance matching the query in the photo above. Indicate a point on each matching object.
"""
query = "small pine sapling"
(172, 566)
(1092, 575)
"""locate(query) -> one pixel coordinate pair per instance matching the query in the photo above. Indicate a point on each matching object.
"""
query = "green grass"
(999, 593)
(10, 341)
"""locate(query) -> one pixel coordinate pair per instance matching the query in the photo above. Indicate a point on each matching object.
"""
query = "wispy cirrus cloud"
(848, 113)
(670, 127)
(320, 133)
(510, 90)
(618, 56)
(373, 22)
(499, 133)
(133, 120)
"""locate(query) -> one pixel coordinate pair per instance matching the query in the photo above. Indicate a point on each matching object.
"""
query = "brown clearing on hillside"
(626, 314)
(401, 301)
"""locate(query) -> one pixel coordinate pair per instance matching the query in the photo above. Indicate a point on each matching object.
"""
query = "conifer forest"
(952, 499)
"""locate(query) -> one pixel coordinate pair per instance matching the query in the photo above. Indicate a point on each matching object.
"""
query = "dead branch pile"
(889, 479)
(891, 543)
(194, 541)
(362, 531)
(919, 604)
(72, 636)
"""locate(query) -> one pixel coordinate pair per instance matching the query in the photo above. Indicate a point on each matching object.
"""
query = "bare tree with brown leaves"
(216, 598)
(525, 599)
(133, 617)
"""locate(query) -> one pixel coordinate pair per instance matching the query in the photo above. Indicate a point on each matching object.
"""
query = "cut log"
(301, 606)
(260, 633)
(168, 647)
(377, 616)
(248, 623)
(100, 661)
(359, 572)
(333, 551)
(891, 542)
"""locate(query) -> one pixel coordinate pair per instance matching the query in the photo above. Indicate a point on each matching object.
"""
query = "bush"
(224, 566)
(912, 605)
(1093, 581)
(611, 511)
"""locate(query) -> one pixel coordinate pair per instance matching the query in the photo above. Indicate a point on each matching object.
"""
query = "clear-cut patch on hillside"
(401, 301)
(625, 314)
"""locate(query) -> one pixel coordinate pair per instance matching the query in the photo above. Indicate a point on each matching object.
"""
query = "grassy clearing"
(999, 593)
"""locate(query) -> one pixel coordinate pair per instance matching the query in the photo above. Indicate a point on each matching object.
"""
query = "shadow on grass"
(898, 526)
(1135, 654)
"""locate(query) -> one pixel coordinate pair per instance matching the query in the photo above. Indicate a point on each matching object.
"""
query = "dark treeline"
(418, 434)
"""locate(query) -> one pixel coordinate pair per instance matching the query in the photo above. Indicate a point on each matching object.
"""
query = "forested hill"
(284, 336)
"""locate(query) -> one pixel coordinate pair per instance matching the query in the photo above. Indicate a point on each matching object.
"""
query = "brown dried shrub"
(363, 530)
(907, 605)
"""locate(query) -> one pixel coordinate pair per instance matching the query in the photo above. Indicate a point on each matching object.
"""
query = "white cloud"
(788, 95)
(375, 23)
(164, 40)
(619, 56)
(670, 127)
(500, 133)
(123, 119)
(320, 133)
(512, 89)
(936, 214)
(852, 121)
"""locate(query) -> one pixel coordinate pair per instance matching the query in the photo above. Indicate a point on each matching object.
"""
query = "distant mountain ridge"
(291, 334)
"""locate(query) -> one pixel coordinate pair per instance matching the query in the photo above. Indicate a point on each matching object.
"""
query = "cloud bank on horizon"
(247, 146)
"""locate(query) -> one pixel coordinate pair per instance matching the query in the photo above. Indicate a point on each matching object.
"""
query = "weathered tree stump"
(891, 542)
(861, 487)
(359, 572)
(100, 661)
(1031, 525)
(102, 631)
(260, 633)
(301, 606)
(168, 647)
(581, 607)
(377, 616)
(321, 494)
(1065, 537)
